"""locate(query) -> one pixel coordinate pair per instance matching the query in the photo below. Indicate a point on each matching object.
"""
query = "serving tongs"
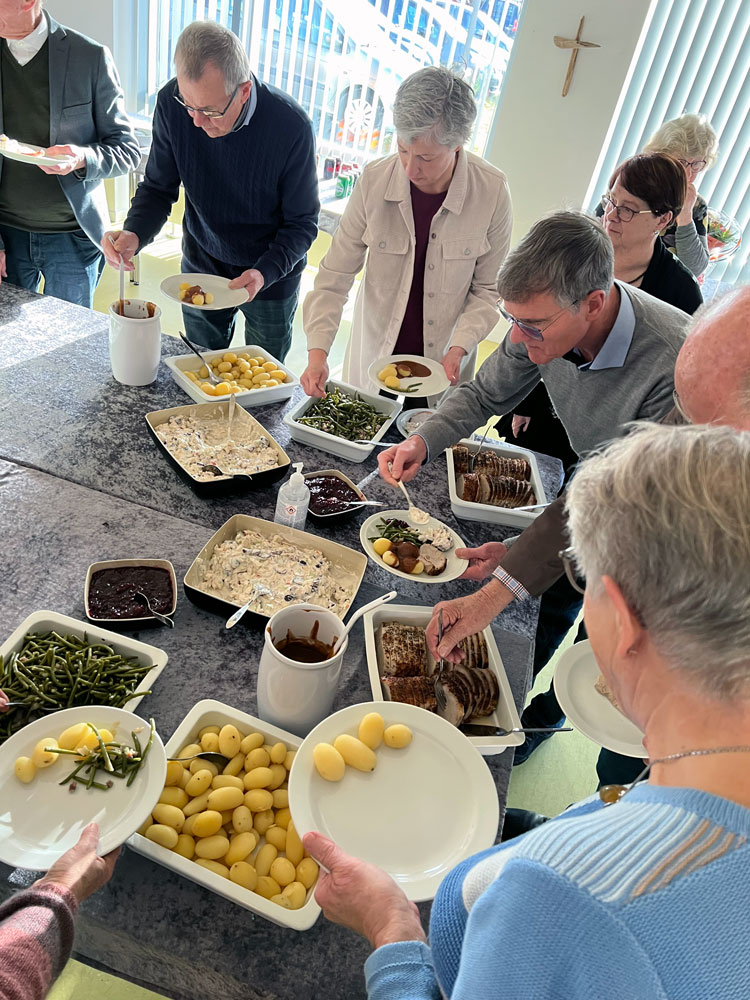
(490, 426)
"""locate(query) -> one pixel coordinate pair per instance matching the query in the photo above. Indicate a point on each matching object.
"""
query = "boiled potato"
(390, 558)
(24, 769)
(388, 371)
(259, 800)
(210, 742)
(197, 804)
(259, 777)
(329, 762)
(202, 765)
(144, 826)
(212, 848)
(262, 821)
(174, 796)
(280, 798)
(307, 872)
(283, 871)
(278, 753)
(40, 756)
(184, 285)
(224, 366)
(200, 782)
(225, 798)
(242, 819)
(278, 776)
(381, 545)
(213, 866)
(174, 772)
(206, 824)
(228, 781)
(276, 836)
(265, 858)
(190, 750)
(185, 846)
(72, 737)
(295, 894)
(244, 874)
(283, 818)
(240, 848)
(253, 741)
(371, 730)
(257, 757)
(168, 816)
(397, 736)
(209, 729)
(229, 741)
(417, 568)
(165, 836)
(268, 887)
(269, 366)
(294, 849)
(355, 753)
(392, 382)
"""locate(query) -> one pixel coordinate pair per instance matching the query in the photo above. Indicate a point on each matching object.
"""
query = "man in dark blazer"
(58, 90)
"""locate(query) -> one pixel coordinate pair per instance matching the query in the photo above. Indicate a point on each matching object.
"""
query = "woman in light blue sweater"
(645, 898)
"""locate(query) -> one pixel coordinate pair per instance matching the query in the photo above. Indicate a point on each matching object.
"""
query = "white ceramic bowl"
(114, 564)
(181, 363)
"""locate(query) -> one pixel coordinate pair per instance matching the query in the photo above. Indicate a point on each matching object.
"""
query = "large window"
(344, 59)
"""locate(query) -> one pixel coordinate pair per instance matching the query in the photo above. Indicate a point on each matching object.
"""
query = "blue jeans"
(70, 263)
(268, 323)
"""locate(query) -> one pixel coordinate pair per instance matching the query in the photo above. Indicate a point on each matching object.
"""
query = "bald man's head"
(712, 374)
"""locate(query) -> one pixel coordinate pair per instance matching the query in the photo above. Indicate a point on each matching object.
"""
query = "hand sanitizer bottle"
(293, 500)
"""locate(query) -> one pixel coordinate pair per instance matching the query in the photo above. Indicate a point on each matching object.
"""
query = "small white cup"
(134, 342)
(292, 695)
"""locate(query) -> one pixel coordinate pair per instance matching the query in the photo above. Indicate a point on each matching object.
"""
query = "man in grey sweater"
(607, 354)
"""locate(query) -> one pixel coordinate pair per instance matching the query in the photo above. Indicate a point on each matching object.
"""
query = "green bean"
(343, 415)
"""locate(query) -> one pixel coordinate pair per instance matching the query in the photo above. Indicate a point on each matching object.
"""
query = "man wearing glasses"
(245, 155)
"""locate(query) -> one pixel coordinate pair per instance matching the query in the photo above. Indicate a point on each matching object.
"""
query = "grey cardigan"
(87, 109)
(594, 405)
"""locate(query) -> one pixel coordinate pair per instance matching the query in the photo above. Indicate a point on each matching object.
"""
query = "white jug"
(293, 695)
(135, 341)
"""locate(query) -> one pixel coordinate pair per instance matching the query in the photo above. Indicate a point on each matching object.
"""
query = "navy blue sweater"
(251, 197)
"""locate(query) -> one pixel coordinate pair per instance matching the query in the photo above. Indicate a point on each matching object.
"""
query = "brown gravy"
(121, 303)
(412, 369)
(305, 649)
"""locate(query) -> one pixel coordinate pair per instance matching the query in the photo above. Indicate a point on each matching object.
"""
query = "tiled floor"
(560, 772)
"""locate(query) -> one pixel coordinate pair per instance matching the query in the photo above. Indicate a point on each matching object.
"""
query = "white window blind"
(694, 56)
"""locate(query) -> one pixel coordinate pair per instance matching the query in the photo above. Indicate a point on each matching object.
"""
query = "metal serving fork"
(440, 698)
(472, 457)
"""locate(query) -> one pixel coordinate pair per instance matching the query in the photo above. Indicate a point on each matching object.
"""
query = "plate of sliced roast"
(402, 669)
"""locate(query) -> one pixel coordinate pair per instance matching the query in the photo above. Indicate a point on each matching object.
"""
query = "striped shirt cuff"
(517, 589)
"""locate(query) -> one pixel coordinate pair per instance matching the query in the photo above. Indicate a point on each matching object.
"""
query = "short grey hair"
(204, 42)
(567, 254)
(664, 512)
(689, 137)
(434, 103)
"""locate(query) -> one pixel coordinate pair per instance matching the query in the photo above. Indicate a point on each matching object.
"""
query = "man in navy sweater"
(245, 155)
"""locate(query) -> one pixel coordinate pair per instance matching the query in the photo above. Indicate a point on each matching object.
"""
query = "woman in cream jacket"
(431, 224)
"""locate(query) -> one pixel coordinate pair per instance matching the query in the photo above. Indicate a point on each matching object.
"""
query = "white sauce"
(292, 575)
(418, 516)
(195, 442)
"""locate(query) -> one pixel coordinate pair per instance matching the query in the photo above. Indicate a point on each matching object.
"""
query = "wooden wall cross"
(575, 44)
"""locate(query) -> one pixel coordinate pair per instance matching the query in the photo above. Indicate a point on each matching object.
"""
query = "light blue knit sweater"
(648, 899)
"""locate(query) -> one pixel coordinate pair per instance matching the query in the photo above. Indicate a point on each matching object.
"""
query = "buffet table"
(81, 480)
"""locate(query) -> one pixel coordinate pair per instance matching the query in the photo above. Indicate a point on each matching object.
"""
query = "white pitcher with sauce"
(135, 341)
(293, 694)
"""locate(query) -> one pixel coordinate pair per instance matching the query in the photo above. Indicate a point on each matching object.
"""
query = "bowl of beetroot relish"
(111, 588)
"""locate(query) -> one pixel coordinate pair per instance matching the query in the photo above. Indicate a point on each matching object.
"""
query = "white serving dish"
(329, 442)
(423, 809)
(471, 511)
(116, 563)
(181, 363)
(407, 415)
(590, 712)
(214, 713)
(426, 385)
(454, 566)
(506, 714)
(224, 296)
(49, 621)
(43, 819)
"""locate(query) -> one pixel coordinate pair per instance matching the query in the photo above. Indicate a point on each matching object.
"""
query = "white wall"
(548, 145)
(94, 18)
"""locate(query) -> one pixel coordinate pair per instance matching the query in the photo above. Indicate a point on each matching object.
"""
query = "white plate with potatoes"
(423, 808)
(41, 818)
(203, 291)
(250, 374)
(241, 844)
(391, 375)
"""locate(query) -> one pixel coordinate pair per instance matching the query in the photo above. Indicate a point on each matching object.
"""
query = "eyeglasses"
(199, 111)
(532, 331)
(678, 407)
(696, 165)
(623, 213)
(566, 557)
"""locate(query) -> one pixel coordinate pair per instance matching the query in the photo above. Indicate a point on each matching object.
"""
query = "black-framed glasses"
(696, 165)
(527, 328)
(566, 557)
(199, 111)
(623, 213)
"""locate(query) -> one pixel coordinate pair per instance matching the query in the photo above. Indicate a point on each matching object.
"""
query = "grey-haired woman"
(431, 224)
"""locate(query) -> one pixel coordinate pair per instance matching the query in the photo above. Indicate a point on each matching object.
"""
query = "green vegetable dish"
(344, 416)
(116, 760)
(52, 671)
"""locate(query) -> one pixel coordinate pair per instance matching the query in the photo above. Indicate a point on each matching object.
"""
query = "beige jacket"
(469, 239)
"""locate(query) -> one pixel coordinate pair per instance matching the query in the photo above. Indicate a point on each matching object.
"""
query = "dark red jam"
(328, 495)
(112, 592)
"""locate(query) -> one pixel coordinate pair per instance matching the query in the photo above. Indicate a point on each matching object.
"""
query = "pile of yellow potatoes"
(238, 373)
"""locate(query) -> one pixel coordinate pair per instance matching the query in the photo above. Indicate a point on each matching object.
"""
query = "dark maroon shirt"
(411, 335)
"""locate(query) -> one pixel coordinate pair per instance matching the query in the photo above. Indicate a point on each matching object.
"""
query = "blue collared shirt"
(252, 103)
(615, 348)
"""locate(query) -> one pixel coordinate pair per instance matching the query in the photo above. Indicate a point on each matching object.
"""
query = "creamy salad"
(287, 573)
(439, 535)
(199, 441)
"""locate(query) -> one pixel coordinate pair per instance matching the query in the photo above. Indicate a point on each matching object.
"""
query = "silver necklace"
(609, 794)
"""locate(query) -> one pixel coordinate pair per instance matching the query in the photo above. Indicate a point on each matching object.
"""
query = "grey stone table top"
(63, 413)
(149, 924)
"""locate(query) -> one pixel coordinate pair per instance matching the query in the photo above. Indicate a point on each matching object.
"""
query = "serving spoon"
(211, 377)
(260, 591)
(358, 614)
(164, 619)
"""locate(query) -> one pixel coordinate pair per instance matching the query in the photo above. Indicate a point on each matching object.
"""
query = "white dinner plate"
(590, 712)
(454, 566)
(41, 820)
(27, 152)
(417, 815)
(428, 385)
(224, 296)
